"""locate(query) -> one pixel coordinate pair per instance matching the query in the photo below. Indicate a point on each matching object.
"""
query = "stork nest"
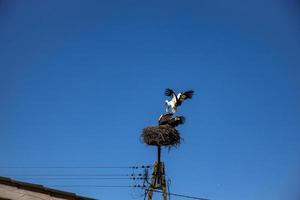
(162, 135)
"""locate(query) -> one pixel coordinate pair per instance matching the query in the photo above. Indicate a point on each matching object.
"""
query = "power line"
(64, 175)
(75, 175)
(104, 186)
(61, 167)
(181, 195)
(85, 178)
(75, 167)
(129, 186)
(122, 186)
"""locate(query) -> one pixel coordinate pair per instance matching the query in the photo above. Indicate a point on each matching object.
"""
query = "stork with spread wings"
(176, 99)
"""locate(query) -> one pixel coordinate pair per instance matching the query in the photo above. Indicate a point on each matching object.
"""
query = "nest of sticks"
(162, 135)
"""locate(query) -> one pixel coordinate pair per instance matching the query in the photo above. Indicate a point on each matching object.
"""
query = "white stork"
(170, 120)
(176, 99)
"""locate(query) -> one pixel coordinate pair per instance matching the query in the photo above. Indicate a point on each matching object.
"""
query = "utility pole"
(164, 135)
(158, 180)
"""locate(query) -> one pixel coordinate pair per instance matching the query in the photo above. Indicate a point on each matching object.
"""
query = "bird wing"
(175, 121)
(169, 92)
(186, 95)
(163, 119)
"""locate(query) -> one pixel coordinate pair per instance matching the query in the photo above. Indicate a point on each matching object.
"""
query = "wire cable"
(75, 167)
(66, 175)
(85, 178)
(61, 167)
(181, 195)
(74, 175)
(104, 186)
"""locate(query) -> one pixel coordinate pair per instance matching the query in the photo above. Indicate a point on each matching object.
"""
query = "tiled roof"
(42, 189)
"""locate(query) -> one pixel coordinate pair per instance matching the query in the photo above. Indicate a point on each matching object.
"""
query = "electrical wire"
(85, 178)
(75, 167)
(66, 175)
(61, 167)
(181, 195)
(128, 186)
(104, 186)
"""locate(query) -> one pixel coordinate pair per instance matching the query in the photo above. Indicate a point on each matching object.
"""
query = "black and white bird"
(176, 99)
(170, 120)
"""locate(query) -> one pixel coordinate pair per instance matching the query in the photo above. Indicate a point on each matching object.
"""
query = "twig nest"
(162, 135)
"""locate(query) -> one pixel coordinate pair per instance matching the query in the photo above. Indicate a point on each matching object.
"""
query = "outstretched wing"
(169, 92)
(186, 95)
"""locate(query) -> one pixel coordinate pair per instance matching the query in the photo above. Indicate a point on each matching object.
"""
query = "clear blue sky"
(79, 80)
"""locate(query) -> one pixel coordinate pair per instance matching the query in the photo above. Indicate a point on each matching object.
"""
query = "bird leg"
(167, 109)
(167, 106)
(174, 109)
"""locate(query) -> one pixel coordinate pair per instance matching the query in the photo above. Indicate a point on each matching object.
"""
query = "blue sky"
(79, 80)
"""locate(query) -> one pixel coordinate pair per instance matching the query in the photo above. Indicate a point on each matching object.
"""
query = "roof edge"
(42, 189)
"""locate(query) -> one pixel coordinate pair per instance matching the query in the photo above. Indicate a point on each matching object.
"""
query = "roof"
(42, 189)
